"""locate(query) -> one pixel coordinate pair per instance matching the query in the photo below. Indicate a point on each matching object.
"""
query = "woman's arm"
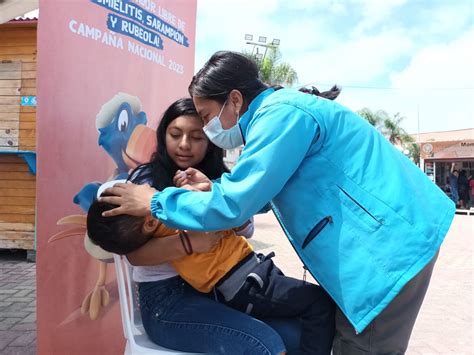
(277, 142)
(161, 250)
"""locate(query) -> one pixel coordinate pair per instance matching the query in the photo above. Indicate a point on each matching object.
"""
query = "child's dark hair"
(160, 171)
(118, 234)
(226, 71)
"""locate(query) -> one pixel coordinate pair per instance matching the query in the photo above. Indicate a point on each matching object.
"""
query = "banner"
(107, 69)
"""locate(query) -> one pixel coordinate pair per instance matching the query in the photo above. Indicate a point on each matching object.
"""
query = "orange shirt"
(203, 270)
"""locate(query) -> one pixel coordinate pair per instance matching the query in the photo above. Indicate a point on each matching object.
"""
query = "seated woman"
(174, 314)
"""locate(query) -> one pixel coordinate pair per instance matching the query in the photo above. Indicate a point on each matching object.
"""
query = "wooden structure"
(18, 134)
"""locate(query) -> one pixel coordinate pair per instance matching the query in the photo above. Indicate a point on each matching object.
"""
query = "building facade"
(439, 150)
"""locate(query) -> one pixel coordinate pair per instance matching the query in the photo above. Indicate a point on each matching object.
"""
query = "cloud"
(224, 27)
(441, 65)
(375, 12)
(398, 46)
(358, 61)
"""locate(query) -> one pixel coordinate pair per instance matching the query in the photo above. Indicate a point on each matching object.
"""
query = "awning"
(9, 9)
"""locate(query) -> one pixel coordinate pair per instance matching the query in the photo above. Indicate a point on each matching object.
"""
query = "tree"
(272, 71)
(374, 118)
(414, 152)
(391, 128)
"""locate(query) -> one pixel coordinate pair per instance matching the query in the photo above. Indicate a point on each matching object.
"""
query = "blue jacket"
(354, 208)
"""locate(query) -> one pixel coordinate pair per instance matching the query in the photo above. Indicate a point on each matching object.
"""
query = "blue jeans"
(454, 194)
(178, 317)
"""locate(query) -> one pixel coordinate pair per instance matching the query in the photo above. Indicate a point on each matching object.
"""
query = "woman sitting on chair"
(174, 314)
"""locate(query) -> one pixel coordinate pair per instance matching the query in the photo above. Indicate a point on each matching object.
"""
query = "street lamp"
(262, 43)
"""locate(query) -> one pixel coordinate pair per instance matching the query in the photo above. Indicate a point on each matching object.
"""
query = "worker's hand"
(131, 199)
(194, 178)
(203, 242)
(190, 187)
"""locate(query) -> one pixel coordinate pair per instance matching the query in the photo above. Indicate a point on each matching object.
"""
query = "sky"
(409, 57)
(412, 57)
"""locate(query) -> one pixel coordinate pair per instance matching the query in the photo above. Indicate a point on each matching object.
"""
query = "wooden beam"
(9, 142)
(4, 125)
(13, 167)
(17, 218)
(12, 192)
(10, 83)
(20, 227)
(17, 210)
(12, 66)
(10, 100)
(25, 244)
(10, 175)
(10, 74)
(9, 116)
(13, 91)
(18, 201)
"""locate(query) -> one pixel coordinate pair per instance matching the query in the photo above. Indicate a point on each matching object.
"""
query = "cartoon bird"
(123, 134)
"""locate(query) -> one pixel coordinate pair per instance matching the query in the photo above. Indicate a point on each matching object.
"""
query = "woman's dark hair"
(331, 94)
(159, 172)
(226, 71)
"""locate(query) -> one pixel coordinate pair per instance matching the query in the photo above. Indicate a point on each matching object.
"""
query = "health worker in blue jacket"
(345, 197)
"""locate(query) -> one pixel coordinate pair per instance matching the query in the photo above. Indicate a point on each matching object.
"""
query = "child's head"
(119, 234)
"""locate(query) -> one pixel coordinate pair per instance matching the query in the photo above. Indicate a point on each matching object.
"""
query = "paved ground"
(444, 326)
(17, 304)
(445, 322)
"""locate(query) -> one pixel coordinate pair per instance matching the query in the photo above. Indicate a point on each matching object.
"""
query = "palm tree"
(374, 118)
(394, 132)
(391, 128)
(272, 71)
(414, 152)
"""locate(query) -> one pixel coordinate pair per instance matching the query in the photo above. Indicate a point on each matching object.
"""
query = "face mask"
(223, 138)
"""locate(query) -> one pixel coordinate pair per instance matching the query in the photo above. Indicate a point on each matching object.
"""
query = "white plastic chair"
(137, 339)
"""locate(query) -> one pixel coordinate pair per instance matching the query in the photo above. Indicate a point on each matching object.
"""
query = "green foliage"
(391, 128)
(272, 71)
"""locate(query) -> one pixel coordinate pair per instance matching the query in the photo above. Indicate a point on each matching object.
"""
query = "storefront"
(439, 150)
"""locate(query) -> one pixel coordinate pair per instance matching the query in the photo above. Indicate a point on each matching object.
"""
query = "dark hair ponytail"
(331, 94)
(224, 72)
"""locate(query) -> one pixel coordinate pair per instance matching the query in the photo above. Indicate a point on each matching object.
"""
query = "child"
(239, 277)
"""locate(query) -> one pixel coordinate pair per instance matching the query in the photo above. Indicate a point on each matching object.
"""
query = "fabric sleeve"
(278, 139)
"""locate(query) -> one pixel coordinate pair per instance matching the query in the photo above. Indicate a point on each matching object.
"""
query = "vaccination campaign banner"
(107, 70)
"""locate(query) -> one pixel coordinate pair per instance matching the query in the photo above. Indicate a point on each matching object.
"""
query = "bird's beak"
(140, 147)
(80, 220)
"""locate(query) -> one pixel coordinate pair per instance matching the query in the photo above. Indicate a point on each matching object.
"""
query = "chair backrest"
(126, 297)
(137, 340)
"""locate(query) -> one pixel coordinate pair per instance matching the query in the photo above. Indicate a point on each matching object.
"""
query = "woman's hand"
(194, 178)
(130, 198)
(202, 242)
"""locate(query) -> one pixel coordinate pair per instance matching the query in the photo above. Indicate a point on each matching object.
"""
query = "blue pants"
(178, 317)
(454, 195)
